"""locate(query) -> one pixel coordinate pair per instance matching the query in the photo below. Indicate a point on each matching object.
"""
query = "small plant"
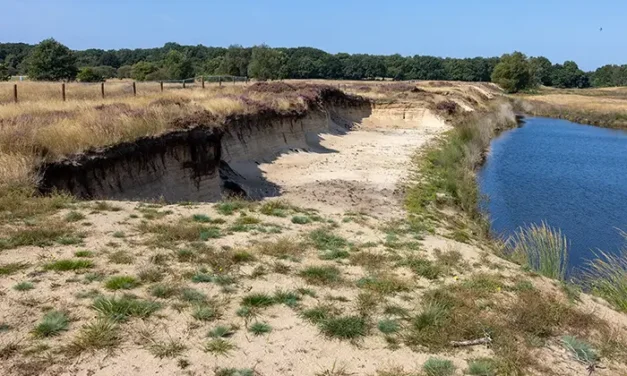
(219, 346)
(257, 300)
(323, 239)
(202, 278)
(438, 367)
(74, 216)
(163, 291)
(234, 372)
(423, 267)
(276, 208)
(23, 286)
(192, 295)
(167, 349)
(69, 265)
(97, 335)
(482, 367)
(121, 257)
(346, 327)
(220, 332)
(541, 248)
(388, 326)
(119, 234)
(120, 309)
(433, 314)
(242, 256)
(186, 255)
(201, 218)
(580, 350)
(53, 323)
(318, 314)
(606, 276)
(383, 284)
(284, 247)
(260, 328)
(8, 269)
(83, 254)
(300, 220)
(150, 274)
(321, 275)
(122, 282)
(205, 312)
(289, 298)
(229, 207)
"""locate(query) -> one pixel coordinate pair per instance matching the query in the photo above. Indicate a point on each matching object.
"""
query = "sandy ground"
(362, 174)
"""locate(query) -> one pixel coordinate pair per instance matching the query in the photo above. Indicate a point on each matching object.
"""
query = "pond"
(572, 176)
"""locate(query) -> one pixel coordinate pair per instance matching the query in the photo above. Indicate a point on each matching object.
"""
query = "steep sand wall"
(200, 164)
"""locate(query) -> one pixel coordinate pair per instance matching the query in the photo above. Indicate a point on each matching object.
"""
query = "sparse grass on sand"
(606, 276)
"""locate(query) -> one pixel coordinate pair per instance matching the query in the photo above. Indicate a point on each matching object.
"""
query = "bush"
(512, 73)
(51, 61)
(88, 74)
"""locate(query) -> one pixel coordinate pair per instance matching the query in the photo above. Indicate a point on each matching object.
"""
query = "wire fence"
(33, 90)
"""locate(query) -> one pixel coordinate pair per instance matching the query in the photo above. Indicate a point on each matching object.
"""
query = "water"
(570, 175)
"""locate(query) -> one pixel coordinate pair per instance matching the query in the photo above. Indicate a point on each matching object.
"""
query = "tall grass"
(542, 248)
(606, 276)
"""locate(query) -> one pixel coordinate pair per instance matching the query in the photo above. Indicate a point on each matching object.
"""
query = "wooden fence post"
(102, 89)
(15, 93)
(63, 91)
(220, 81)
(202, 81)
(134, 89)
(183, 84)
(246, 79)
(161, 84)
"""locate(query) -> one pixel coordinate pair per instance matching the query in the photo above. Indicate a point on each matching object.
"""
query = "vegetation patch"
(122, 282)
(259, 328)
(123, 308)
(344, 327)
(69, 265)
(100, 334)
(438, 367)
(321, 275)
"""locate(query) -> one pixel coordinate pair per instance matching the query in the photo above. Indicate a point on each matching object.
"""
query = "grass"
(206, 312)
(24, 286)
(40, 235)
(122, 282)
(163, 291)
(182, 231)
(301, 220)
(606, 276)
(324, 240)
(276, 208)
(541, 248)
(258, 300)
(69, 265)
(423, 267)
(388, 326)
(321, 275)
(283, 247)
(344, 327)
(289, 298)
(121, 257)
(83, 254)
(97, 335)
(122, 308)
(170, 348)
(12, 268)
(74, 216)
(219, 346)
(231, 206)
(259, 328)
(438, 367)
(580, 350)
(52, 324)
(318, 314)
(482, 367)
(384, 284)
(221, 332)
(192, 295)
(234, 372)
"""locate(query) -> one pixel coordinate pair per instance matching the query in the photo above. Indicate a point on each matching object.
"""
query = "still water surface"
(570, 175)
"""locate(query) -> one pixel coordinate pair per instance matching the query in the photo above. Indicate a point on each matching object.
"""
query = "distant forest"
(177, 62)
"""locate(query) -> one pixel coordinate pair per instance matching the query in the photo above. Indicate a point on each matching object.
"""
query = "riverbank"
(606, 107)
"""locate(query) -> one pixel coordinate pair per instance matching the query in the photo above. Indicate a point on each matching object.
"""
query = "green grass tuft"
(541, 248)
(97, 335)
(12, 268)
(388, 326)
(192, 295)
(606, 276)
(53, 323)
(438, 367)
(482, 367)
(163, 291)
(580, 350)
(68, 265)
(206, 312)
(346, 327)
(122, 282)
(321, 275)
(300, 220)
(219, 346)
(23, 286)
(121, 309)
(289, 298)
(259, 328)
(84, 254)
(318, 314)
(258, 300)
(220, 331)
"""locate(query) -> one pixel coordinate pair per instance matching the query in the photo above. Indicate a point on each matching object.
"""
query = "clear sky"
(558, 29)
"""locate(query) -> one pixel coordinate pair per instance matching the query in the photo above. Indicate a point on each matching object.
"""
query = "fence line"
(184, 84)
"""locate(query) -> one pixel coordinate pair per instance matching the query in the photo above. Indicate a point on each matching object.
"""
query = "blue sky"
(558, 29)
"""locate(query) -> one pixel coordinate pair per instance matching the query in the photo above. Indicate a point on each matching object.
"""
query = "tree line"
(50, 60)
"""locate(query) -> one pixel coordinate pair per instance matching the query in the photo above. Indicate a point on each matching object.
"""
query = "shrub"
(542, 248)
(580, 350)
(51, 61)
(512, 73)
(300, 220)
(88, 74)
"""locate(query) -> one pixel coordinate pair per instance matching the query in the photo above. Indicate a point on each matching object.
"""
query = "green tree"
(125, 71)
(141, 70)
(266, 63)
(541, 70)
(88, 74)
(178, 66)
(235, 61)
(4, 72)
(512, 72)
(569, 76)
(51, 61)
